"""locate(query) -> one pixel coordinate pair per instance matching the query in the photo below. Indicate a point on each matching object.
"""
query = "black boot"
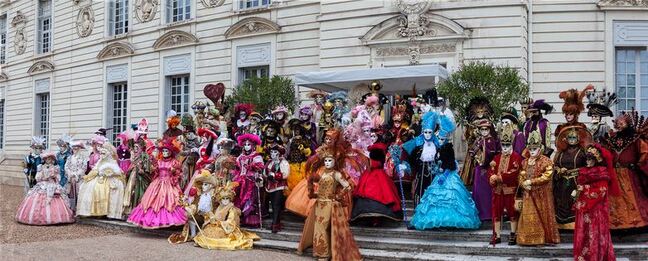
(495, 240)
(512, 239)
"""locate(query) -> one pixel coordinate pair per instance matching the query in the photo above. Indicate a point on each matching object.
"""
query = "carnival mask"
(339, 103)
(64, 146)
(274, 154)
(328, 140)
(572, 138)
(247, 146)
(427, 134)
(75, 149)
(534, 151)
(620, 124)
(480, 113)
(225, 201)
(279, 116)
(271, 132)
(506, 121)
(374, 137)
(166, 153)
(242, 115)
(366, 131)
(319, 99)
(38, 150)
(507, 149)
(590, 162)
(596, 119)
(304, 117)
(484, 131)
(570, 117)
(104, 153)
(137, 147)
(329, 162)
(397, 124)
(50, 161)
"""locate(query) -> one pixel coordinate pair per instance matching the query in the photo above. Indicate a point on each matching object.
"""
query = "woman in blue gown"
(446, 203)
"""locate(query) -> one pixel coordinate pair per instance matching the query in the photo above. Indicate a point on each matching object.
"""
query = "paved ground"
(85, 242)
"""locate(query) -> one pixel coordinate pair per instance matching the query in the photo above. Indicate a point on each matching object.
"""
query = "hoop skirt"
(376, 195)
(446, 203)
(40, 209)
(298, 201)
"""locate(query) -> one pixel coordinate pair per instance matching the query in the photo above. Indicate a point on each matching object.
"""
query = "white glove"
(527, 184)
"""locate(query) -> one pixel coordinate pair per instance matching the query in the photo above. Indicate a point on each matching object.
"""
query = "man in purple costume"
(537, 122)
(485, 149)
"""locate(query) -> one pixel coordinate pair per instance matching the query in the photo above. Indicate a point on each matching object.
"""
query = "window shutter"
(167, 95)
(111, 17)
(169, 11)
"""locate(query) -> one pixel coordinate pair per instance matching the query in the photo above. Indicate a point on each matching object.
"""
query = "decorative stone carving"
(85, 21)
(413, 22)
(145, 10)
(3, 77)
(212, 3)
(40, 67)
(426, 49)
(623, 3)
(252, 26)
(174, 38)
(4, 3)
(115, 50)
(76, 2)
(20, 39)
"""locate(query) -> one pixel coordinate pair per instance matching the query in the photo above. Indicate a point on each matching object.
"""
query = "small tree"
(501, 85)
(265, 93)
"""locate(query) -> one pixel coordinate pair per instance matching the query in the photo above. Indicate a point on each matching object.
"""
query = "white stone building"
(72, 66)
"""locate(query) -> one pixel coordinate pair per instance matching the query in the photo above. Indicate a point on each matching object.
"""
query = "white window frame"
(3, 105)
(43, 115)
(182, 81)
(183, 5)
(118, 123)
(113, 20)
(243, 5)
(257, 70)
(251, 53)
(42, 17)
(3, 38)
(639, 70)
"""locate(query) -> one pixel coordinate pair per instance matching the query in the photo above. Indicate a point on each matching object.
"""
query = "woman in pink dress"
(159, 206)
(46, 203)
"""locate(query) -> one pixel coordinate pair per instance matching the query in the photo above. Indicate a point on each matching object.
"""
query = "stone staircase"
(393, 241)
(11, 171)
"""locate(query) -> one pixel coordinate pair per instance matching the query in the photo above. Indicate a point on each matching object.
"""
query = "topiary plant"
(265, 93)
(501, 85)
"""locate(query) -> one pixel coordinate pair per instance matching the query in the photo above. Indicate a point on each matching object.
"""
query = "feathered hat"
(248, 137)
(511, 114)
(256, 115)
(306, 110)
(245, 107)
(170, 145)
(226, 144)
(79, 144)
(64, 139)
(339, 95)
(207, 133)
(173, 120)
(279, 148)
(602, 155)
(371, 100)
(478, 105)
(600, 105)
(270, 124)
(429, 120)
(142, 127)
(188, 123)
(526, 101)
(48, 154)
(228, 191)
(574, 100)
(125, 136)
(447, 126)
(102, 131)
(205, 177)
(98, 139)
(541, 105)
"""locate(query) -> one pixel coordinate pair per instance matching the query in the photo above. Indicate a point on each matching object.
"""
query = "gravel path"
(13, 232)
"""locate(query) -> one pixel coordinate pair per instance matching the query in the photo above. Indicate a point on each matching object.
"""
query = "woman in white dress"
(102, 191)
(75, 169)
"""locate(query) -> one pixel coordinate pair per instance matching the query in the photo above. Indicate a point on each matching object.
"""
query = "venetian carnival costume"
(503, 176)
(277, 170)
(225, 163)
(509, 117)
(62, 156)
(139, 176)
(142, 133)
(160, 206)
(629, 145)
(376, 195)
(173, 121)
(250, 167)
(241, 122)
(446, 202)
(340, 110)
(191, 143)
(597, 109)
(422, 152)
(483, 151)
(299, 149)
(96, 143)
(32, 161)
(280, 116)
(46, 202)
(205, 152)
(75, 169)
(221, 229)
(310, 129)
(270, 130)
(204, 189)
(568, 159)
(326, 121)
(359, 132)
(327, 228)
(102, 191)
(317, 107)
(537, 122)
(572, 107)
(592, 240)
(124, 151)
(478, 109)
(537, 221)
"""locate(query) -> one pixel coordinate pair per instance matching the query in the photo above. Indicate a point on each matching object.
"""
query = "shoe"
(512, 239)
(276, 228)
(495, 240)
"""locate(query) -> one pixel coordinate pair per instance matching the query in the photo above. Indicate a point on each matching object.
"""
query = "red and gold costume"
(503, 177)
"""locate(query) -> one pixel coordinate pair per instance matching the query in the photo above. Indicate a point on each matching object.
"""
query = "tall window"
(178, 94)
(2, 109)
(44, 26)
(252, 72)
(251, 4)
(3, 39)
(42, 115)
(118, 20)
(118, 108)
(178, 10)
(632, 79)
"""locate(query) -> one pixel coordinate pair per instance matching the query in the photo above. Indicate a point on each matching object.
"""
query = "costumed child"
(221, 229)
(102, 191)
(249, 170)
(537, 221)
(446, 202)
(62, 156)
(596, 181)
(32, 161)
(276, 172)
(139, 176)
(375, 195)
(46, 202)
(327, 228)
(160, 206)
(75, 169)
(503, 177)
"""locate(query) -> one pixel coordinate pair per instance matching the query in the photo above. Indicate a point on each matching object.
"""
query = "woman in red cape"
(592, 241)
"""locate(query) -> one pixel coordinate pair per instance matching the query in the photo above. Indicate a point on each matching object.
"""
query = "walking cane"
(259, 200)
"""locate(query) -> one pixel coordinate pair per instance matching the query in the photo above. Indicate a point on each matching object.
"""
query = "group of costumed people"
(356, 158)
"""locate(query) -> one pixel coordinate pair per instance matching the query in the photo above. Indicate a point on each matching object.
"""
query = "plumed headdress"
(256, 115)
(306, 110)
(64, 139)
(207, 133)
(188, 123)
(169, 144)
(447, 126)
(599, 105)
(173, 120)
(511, 114)
(339, 95)
(637, 123)
(541, 105)
(248, 137)
(246, 107)
(279, 148)
(125, 136)
(602, 155)
(98, 139)
(574, 100)
(478, 105)
(270, 124)
(79, 144)
(228, 191)
(371, 100)
(102, 131)
(429, 120)
(206, 177)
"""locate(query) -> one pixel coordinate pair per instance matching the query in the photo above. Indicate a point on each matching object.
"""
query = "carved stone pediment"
(3, 77)
(252, 26)
(174, 38)
(19, 19)
(623, 4)
(40, 67)
(115, 50)
(212, 3)
(395, 29)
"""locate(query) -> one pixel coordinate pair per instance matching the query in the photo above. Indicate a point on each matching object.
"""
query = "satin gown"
(46, 203)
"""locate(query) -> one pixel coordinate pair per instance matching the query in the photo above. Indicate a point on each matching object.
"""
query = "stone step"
(12, 181)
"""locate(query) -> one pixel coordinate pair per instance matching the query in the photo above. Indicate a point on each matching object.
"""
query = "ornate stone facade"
(40, 67)
(212, 3)
(20, 39)
(85, 21)
(3, 77)
(114, 50)
(174, 38)
(145, 10)
(623, 3)
(252, 26)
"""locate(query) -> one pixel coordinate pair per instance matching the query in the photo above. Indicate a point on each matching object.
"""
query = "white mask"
(534, 152)
(596, 119)
(366, 131)
(507, 149)
(274, 154)
(484, 132)
(374, 137)
(329, 163)
(247, 146)
(506, 121)
(206, 187)
(303, 116)
(104, 153)
(166, 153)
(427, 134)
(225, 201)
(242, 115)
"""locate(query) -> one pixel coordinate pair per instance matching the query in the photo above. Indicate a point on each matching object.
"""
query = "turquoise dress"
(446, 203)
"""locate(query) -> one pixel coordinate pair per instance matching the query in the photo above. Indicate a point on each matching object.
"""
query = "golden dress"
(537, 223)
(327, 228)
(222, 231)
(102, 191)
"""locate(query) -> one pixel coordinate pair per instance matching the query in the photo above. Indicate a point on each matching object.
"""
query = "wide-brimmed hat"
(48, 154)
(248, 137)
